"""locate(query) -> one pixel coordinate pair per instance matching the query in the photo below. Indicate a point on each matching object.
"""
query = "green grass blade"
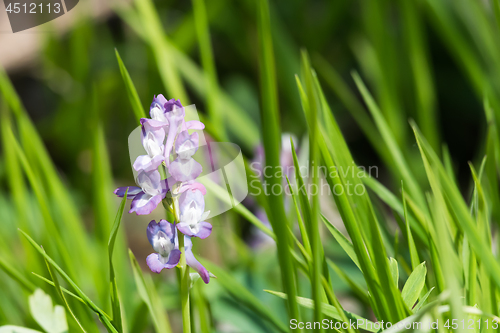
(207, 60)
(330, 311)
(115, 299)
(102, 315)
(133, 97)
(61, 295)
(271, 137)
(150, 297)
(243, 295)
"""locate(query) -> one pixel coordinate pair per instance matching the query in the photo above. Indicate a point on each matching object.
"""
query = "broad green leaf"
(414, 285)
(51, 318)
(330, 311)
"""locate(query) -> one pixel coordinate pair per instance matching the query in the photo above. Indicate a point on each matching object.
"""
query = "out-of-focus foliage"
(408, 87)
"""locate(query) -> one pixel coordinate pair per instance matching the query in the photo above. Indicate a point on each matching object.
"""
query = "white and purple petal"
(192, 185)
(201, 230)
(186, 145)
(194, 125)
(175, 119)
(156, 262)
(192, 262)
(144, 203)
(146, 163)
(185, 170)
(132, 191)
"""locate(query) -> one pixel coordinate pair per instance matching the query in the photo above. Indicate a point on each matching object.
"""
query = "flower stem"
(183, 276)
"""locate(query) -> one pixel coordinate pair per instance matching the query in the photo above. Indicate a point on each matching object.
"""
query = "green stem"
(183, 278)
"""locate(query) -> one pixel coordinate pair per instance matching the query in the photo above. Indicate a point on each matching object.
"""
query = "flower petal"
(192, 262)
(185, 170)
(186, 145)
(192, 185)
(205, 230)
(175, 119)
(185, 229)
(168, 228)
(155, 261)
(144, 204)
(173, 259)
(195, 125)
(132, 191)
(146, 163)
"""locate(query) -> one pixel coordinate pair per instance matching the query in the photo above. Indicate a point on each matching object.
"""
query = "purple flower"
(192, 215)
(171, 104)
(148, 195)
(163, 240)
(186, 145)
(192, 185)
(185, 170)
(175, 119)
(157, 108)
(152, 136)
(192, 262)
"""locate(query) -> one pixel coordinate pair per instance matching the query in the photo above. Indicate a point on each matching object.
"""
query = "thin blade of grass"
(115, 299)
(150, 297)
(271, 138)
(132, 94)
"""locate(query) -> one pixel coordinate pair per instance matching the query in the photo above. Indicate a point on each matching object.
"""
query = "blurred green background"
(432, 61)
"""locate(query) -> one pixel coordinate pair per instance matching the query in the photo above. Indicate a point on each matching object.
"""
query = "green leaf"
(393, 264)
(149, 295)
(414, 285)
(131, 91)
(244, 296)
(51, 318)
(115, 299)
(422, 300)
(102, 315)
(271, 138)
(330, 311)
(342, 240)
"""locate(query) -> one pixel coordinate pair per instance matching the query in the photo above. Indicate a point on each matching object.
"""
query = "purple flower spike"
(192, 215)
(186, 145)
(162, 236)
(153, 191)
(157, 108)
(192, 262)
